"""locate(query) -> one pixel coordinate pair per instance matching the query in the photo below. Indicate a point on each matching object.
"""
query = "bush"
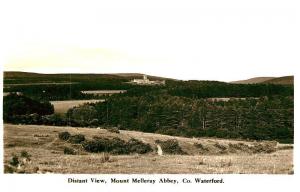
(136, 146)
(14, 161)
(94, 146)
(64, 135)
(69, 151)
(220, 146)
(264, 147)
(99, 144)
(76, 139)
(25, 154)
(116, 146)
(170, 146)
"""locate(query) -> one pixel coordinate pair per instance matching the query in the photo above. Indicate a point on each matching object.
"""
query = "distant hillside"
(253, 80)
(286, 80)
(17, 74)
(13, 75)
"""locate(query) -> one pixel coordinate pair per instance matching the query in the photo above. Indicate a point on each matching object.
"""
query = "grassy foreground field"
(47, 154)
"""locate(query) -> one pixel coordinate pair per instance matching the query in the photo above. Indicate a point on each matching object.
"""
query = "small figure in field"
(159, 150)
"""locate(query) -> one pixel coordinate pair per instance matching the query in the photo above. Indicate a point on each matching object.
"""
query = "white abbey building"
(146, 81)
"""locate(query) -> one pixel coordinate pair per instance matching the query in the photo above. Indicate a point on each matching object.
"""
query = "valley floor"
(47, 155)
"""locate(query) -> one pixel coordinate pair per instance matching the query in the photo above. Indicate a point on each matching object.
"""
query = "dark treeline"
(65, 92)
(206, 89)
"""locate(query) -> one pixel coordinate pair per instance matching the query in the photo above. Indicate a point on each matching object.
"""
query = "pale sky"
(204, 39)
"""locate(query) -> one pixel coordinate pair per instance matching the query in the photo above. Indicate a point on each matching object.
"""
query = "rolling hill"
(57, 77)
(253, 80)
(285, 80)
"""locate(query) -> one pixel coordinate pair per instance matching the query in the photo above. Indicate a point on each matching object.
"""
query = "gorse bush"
(25, 154)
(99, 144)
(64, 135)
(136, 146)
(170, 146)
(116, 146)
(14, 161)
(76, 139)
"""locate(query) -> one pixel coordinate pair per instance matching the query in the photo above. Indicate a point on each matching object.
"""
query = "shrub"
(136, 146)
(94, 146)
(76, 139)
(25, 154)
(221, 147)
(116, 146)
(14, 161)
(64, 135)
(69, 151)
(170, 146)
(99, 144)
(265, 147)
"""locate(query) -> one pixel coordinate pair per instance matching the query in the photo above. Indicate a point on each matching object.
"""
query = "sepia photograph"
(135, 123)
(104, 95)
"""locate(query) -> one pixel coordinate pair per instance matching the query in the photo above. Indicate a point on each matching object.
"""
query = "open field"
(40, 83)
(47, 154)
(64, 106)
(103, 92)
